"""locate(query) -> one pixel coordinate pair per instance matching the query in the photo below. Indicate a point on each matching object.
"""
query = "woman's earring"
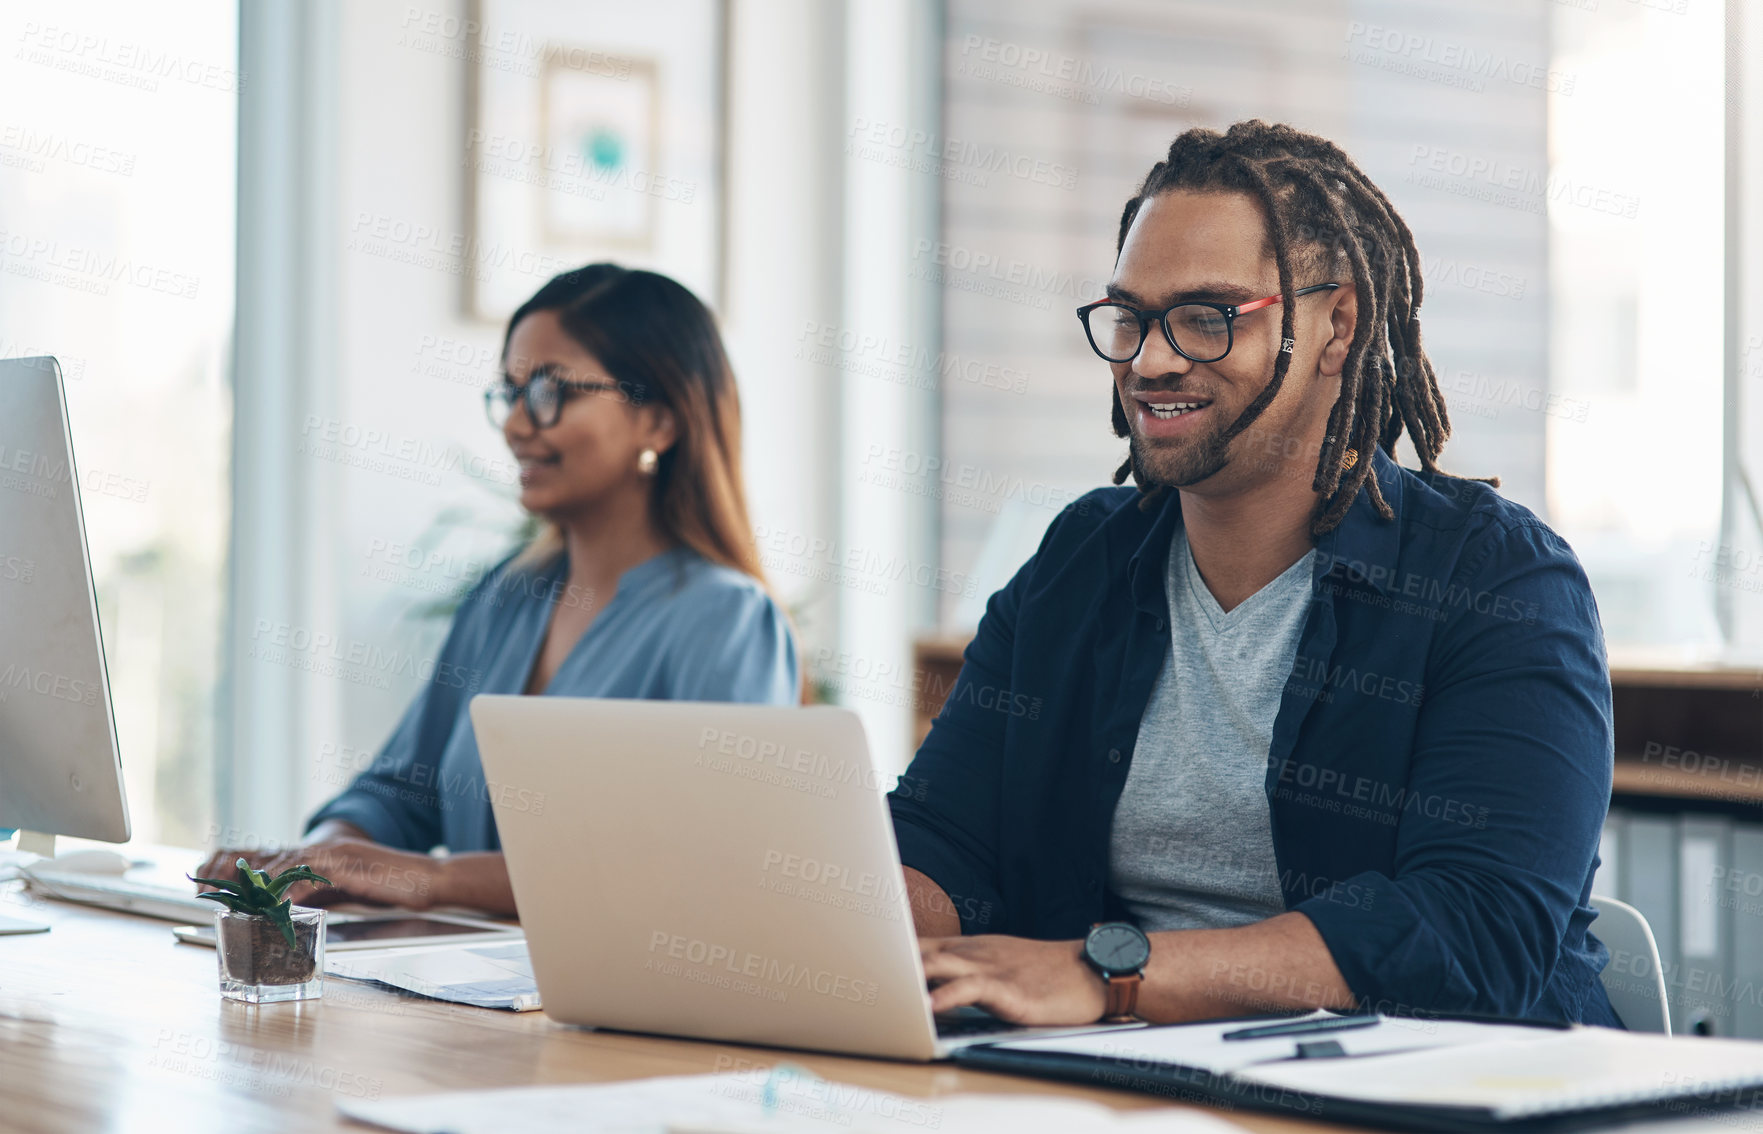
(647, 460)
(1349, 459)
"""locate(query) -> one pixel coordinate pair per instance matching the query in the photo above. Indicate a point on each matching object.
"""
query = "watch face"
(1117, 948)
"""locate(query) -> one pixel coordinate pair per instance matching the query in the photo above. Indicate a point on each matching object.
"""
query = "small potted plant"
(270, 950)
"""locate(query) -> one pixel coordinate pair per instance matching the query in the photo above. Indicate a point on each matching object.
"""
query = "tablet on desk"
(373, 931)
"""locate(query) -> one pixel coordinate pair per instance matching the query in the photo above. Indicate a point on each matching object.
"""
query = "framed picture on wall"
(594, 133)
(607, 124)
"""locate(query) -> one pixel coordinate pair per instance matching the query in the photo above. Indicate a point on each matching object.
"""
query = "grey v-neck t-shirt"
(1191, 846)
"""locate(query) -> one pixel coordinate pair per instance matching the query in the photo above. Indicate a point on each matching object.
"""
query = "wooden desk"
(107, 1023)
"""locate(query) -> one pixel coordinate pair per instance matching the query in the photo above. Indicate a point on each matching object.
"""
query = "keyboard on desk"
(117, 893)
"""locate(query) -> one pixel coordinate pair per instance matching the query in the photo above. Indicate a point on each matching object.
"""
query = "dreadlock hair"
(1320, 209)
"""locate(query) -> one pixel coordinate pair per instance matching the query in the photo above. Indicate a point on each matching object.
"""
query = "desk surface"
(106, 1023)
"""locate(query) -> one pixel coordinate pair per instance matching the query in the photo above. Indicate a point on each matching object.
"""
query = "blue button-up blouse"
(677, 628)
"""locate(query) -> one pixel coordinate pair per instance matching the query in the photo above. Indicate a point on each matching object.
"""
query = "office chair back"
(1634, 978)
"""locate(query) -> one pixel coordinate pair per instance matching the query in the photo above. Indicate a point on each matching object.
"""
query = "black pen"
(1304, 1027)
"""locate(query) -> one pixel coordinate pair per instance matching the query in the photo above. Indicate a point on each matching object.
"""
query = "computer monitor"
(60, 769)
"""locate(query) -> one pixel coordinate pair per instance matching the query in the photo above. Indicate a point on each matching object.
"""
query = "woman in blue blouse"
(619, 405)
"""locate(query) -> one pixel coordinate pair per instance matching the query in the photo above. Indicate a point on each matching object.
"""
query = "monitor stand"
(29, 842)
(36, 842)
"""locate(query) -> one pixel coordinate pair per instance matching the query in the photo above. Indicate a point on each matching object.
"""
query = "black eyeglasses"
(1117, 332)
(544, 394)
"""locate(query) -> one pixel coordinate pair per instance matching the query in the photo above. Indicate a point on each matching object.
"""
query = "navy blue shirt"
(1439, 771)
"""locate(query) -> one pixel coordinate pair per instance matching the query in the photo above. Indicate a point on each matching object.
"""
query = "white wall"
(783, 280)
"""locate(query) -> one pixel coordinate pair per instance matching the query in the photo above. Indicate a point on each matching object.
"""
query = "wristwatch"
(1118, 951)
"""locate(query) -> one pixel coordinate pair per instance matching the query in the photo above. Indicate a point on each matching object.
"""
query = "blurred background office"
(274, 246)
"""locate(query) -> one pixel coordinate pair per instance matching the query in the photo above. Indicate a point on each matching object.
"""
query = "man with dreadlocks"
(1286, 725)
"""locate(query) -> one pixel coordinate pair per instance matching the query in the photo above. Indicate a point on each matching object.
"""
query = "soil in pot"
(256, 952)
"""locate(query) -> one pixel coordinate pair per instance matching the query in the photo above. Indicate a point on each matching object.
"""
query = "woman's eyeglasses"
(1199, 332)
(544, 394)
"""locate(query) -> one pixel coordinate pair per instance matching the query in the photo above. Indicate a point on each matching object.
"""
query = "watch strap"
(1122, 991)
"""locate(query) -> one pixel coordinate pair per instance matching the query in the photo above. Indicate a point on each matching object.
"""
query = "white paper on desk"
(1203, 1045)
(1554, 1072)
(491, 975)
(731, 1104)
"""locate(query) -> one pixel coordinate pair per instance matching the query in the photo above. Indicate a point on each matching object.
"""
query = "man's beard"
(1157, 466)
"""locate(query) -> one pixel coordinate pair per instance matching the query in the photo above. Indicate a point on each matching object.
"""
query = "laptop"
(715, 871)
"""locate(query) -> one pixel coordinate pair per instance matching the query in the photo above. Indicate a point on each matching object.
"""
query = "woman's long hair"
(660, 343)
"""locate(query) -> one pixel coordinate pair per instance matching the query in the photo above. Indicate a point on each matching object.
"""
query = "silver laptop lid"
(710, 870)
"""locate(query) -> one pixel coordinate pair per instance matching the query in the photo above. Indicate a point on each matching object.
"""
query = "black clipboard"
(1197, 1085)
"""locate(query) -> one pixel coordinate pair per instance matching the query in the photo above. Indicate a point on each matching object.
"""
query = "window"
(1636, 249)
(116, 255)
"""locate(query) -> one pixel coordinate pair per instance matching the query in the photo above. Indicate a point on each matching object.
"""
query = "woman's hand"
(224, 862)
(359, 869)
